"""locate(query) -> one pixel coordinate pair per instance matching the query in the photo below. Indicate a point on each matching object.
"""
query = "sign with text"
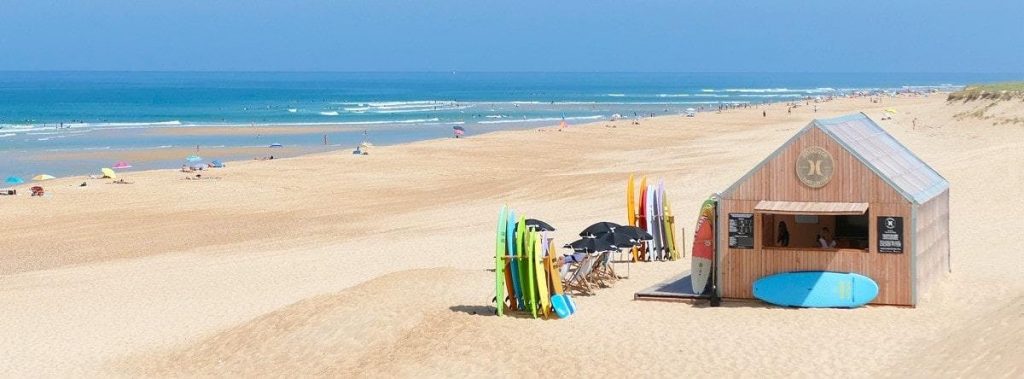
(741, 230)
(890, 234)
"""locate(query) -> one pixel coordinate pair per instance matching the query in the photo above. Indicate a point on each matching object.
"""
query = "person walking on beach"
(764, 113)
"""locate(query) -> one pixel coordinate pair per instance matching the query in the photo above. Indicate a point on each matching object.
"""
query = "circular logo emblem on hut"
(814, 167)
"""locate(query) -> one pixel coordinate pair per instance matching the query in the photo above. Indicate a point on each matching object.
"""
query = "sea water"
(49, 112)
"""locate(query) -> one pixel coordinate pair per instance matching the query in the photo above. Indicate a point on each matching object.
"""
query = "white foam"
(772, 95)
(124, 124)
(543, 119)
(330, 113)
(7, 135)
(616, 95)
(292, 110)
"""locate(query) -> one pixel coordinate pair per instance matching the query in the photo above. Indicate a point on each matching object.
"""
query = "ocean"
(44, 113)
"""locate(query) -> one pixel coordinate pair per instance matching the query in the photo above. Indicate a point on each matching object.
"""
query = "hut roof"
(878, 150)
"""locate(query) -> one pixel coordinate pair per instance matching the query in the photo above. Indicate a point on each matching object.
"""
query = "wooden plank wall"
(932, 238)
(851, 182)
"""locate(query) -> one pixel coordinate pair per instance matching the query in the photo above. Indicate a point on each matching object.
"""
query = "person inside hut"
(783, 239)
(825, 240)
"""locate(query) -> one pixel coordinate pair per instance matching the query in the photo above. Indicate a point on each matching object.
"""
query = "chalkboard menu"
(890, 234)
(741, 230)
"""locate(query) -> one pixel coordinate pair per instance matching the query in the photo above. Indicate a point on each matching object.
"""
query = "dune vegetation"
(990, 91)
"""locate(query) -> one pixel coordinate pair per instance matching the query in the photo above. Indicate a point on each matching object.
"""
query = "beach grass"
(990, 91)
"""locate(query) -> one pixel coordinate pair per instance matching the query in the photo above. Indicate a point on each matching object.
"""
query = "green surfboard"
(525, 268)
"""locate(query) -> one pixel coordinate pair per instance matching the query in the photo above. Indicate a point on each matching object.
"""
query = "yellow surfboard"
(554, 275)
(631, 209)
(670, 234)
(541, 277)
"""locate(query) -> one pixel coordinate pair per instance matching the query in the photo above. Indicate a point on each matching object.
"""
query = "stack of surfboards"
(652, 212)
(526, 276)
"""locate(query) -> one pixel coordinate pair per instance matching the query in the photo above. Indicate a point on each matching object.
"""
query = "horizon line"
(505, 72)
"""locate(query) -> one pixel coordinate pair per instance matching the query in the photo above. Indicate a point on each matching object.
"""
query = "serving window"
(815, 231)
(814, 225)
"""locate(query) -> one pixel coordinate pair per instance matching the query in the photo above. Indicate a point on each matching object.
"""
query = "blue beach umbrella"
(276, 145)
(217, 164)
(14, 180)
(193, 158)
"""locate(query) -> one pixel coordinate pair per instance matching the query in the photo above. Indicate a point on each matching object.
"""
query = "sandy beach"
(331, 264)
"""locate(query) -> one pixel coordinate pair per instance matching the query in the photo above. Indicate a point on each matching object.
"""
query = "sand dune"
(332, 264)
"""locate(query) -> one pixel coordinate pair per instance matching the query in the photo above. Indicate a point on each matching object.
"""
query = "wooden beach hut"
(850, 198)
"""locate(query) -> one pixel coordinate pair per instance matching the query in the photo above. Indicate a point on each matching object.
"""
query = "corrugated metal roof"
(892, 161)
(812, 208)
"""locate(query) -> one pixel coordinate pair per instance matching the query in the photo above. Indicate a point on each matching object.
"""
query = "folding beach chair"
(577, 279)
(603, 270)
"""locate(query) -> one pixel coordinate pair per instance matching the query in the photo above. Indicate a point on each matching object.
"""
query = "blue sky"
(568, 35)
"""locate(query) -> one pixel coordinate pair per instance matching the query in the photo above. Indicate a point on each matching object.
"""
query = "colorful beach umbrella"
(14, 180)
(120, 165)
(42, 177)
(193, 158)
(108, 173)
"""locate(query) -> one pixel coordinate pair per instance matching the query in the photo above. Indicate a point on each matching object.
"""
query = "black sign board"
(741, 230)
(890, 234)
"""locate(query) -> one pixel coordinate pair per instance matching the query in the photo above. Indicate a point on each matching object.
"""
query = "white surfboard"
(651, 250)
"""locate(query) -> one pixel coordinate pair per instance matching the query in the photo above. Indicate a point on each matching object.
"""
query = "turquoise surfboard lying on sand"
(816, 289)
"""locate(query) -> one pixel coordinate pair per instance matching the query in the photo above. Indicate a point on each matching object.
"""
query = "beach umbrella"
(633, 233)
(603, 243)
(121, 165)
(621, 240)
(217, 164)
(14, 180)
(890, 110)
(539, 225)
(275, 144)
(193, 158)
(459, 128)
(42, 177)
(108, 173)
(599, 228)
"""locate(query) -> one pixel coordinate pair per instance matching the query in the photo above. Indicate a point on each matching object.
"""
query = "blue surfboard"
(563, 305)
(816, 289)
(510, 240)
